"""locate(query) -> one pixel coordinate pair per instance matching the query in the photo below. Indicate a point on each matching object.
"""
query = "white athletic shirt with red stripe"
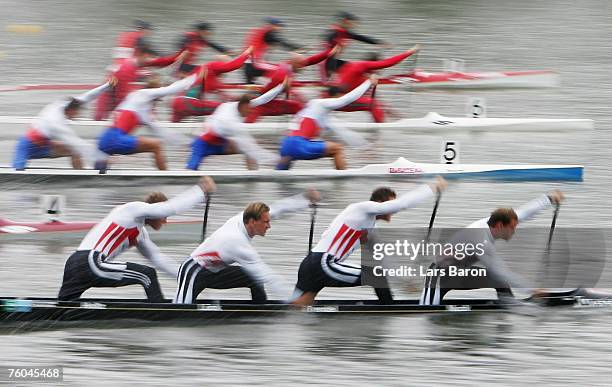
(141, 103)
(227, 123)
(232, 244)
(124, 227)
(342, 236)
(319, 109)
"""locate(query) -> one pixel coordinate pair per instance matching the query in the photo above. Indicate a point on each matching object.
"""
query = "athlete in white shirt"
(93, 265)
(303, 142)
(325, 265)
(227, 259)
(501, 224)
(50, 135)
(224, 132)
(137, 110)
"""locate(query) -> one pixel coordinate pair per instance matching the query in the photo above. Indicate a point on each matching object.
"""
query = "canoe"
(432, 123)
(400, 168)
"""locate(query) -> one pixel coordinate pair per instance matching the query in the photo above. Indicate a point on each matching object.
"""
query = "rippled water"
(532, 345)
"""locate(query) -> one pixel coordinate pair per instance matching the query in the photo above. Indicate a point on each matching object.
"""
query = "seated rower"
(276, 74)
(224, 132)
(50, 135)
(196, 101)
(228, 260)
(92, 266)
(500, 225)
(136, 110)
(303, 144)
(325, 265)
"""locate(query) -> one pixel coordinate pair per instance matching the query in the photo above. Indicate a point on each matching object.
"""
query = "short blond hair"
(155, 197)
(254, 211)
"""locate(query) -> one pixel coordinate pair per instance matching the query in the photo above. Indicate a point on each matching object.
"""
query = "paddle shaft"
(313, 214)
(433, 214)
(205, 220)
(552, 226)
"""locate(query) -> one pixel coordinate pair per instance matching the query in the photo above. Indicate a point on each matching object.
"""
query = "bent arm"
(499, 271)
(247, 145)
(348, 136)
(149, 250)
(261, 273)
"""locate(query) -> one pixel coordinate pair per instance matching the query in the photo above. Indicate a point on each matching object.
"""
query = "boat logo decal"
(593, 302)
(92, 305)
(210, 307)
(458, 308)
(442, 122)
(405, 170)
(321, 309)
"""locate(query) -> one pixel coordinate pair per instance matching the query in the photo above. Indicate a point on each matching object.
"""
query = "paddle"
(313, 214)
(433, 214)
(205, 221)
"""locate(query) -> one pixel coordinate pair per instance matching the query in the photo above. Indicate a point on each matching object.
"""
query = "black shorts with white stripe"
(193, 279)
(319, 270)
(86, 269)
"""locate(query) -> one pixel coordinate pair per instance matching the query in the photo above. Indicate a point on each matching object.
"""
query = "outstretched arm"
(293, 203)
(93, 93)
(355, 94)
(149, 250)
(388, 62)
(173, 88)
(267, 96)
(348, 136)
(407, 200)
(247, 145)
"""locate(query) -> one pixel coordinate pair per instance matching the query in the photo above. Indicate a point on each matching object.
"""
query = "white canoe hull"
(13, 126)
(401, 168)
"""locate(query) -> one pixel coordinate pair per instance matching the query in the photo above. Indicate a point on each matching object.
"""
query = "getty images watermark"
(457, 257)
(410, 250)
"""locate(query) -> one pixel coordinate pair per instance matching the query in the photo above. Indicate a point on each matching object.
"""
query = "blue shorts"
(27, 150)
(115, 141)
(201, 149)
(300, 148)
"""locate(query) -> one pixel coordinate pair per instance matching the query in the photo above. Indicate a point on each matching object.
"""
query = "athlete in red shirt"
(352, 74)
(277, 74)
(340, 34)
(194, 102)
(261, 38)
(194, 42)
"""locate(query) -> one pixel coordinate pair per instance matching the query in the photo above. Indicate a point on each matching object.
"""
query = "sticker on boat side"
(593, 302)
(407, 170)
(210, 307)
(321, 309)
(458, 308)
(92, 305)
